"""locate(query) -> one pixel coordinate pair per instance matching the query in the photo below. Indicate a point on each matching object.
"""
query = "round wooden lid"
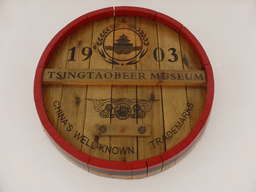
(124, 93)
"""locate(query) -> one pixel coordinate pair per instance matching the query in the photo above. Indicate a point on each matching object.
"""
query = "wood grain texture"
(195, 95)
(96, 92)
(155, 116)
(73, 100)
(134, 47)
(124, 92)
(54, 93)
(174, 99)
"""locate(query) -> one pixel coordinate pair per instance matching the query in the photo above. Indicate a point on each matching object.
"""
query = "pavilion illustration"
(123, 46)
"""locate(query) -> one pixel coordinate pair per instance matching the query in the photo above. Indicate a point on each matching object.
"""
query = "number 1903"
(158, 53)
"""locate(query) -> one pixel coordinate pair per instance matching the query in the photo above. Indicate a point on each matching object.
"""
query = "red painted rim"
(140, 167)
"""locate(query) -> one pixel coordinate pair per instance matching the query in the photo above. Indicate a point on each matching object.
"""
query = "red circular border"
(140, 168)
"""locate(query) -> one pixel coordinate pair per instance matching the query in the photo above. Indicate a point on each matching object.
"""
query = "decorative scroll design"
(123, 108)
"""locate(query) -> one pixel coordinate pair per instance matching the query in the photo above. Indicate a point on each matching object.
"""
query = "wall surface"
(223, 160)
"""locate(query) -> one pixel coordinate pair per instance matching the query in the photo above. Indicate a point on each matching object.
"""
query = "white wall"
(223, 160)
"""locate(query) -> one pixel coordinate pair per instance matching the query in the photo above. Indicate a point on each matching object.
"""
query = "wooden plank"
(124, 77)
(97, 146)
(175, 105)
(131, 130)
(123, 92)
(52, 94)
(155, 116)
(74, 97)
(196, 95)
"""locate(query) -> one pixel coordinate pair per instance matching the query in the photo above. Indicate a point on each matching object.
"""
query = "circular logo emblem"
(123, 46)
(103, 129)
(122, 111)
(142, 129)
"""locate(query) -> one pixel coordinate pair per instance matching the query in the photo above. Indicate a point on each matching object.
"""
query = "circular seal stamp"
(122, 111)
(124, 92)
(129, 48)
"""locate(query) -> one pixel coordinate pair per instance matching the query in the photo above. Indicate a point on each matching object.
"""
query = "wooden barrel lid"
(124, 92)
